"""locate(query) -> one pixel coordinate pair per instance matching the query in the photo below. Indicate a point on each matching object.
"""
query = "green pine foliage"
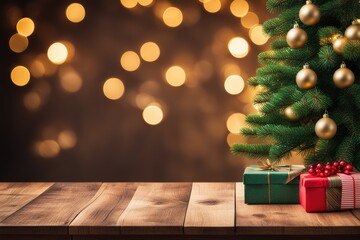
(276, 78)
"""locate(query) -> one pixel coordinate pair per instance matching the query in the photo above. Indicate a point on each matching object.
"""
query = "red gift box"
(337, 192)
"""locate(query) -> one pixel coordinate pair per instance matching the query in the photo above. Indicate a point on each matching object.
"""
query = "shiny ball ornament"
(339, 44)
(343, 77)
(296, 37)
(309, 14)
(353, 31)
(325, 128)
(306, 78)
(290, 114)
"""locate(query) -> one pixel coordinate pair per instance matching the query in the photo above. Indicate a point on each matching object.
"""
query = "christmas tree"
(309, 84)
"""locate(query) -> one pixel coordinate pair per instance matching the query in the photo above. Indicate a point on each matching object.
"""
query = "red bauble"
(347, 172)
(336, 164)
(327, 172)
(342, 163)
(321, 174)
(311, 170)
(319, 166)
(328, 167)
(318, 170)
(348, 167)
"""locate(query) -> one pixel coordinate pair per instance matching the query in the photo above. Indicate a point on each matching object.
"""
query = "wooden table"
(95, 211)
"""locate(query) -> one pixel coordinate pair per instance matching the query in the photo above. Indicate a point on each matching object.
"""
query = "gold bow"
(267, 165)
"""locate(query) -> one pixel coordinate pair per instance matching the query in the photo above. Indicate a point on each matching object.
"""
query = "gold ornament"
(339, 44)
(343, 77)
(325, 128)
(353, 31)
(309, 14)
(290, 114)
(296, 37)
(306, 78)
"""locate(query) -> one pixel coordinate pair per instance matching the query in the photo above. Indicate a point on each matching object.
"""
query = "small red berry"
(318, 170)
(311, 170)
(342, 163)
(319, 166)
(348, 167)
(347, 172)
(336, 164)
(321, 174)
(328, 166)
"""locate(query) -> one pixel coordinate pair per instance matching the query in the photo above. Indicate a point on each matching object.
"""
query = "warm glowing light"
(212, 6)
(75, 12)
(113, 88)
(234, 84)
(129, 3)
(70, 80)
(175, 76)
(37, 69)
(150, 51)
(239, 8)
(257, 35)
(143, 99)
(172, 17)
(231, 69)
(67, 139)
(145, 3)
(130, 61)
(25, 27)
(32, 101)
(48, 148)
(153, 114)
(250, 20)
(70, 49)
(235, 122)
(234, 139)
(57, 53)
(20, 76)
(238, 47)
(18, 43)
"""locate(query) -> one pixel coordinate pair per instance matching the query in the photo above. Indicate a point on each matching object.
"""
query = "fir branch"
(274, 118)
(252, 150)
(287, 56)
(328, 59)
(346, 149)
(276, 6)
(352, 50)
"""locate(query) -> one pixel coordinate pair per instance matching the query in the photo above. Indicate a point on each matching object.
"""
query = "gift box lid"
(309, 181)
(285, 175)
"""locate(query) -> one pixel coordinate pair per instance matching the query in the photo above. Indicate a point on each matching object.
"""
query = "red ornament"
(336, 164)
(330, 168)
(348, 167)
(311, 170)
(319, 166)
(342, 163)
(347, 172)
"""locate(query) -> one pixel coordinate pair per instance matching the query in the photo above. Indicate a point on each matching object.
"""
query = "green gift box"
(272, 186)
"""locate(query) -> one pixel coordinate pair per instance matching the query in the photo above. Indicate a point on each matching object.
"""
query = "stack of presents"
(320, 188)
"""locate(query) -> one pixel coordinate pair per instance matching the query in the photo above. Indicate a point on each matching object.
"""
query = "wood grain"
(102, 215)
(156, 208)
(211, 209)
(14, 196)
(290, 219)
(51, 212)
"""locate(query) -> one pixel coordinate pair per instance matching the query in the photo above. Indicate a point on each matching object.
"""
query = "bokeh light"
(149, 51)
(129, 3)
(75, 12)
(70, 80)
(257, 35)
(142, 100)
(37, 69)
(18, 43)
(57, 53)
(67, 139)
(239, 8)
(153, 114)
(25, 27)
(145, 3)
(130, 61)
(238, 47)
(250, 20)
(232, 139)
(235, 122)
(48, 148)
(234, 84)
(113, 88)
(175, 76)
(20, 76)
(212, 6)
(172, 17)
(231, 69)
(32, 101)
(70, 50)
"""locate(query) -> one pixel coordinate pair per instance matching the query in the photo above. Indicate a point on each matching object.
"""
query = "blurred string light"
(75, 12)
(48, 148)
(239, 8)
(234, 84)
(175, 76)
(130, 61)
(172, 16)
(212, 6)
(67, 139)
(250, 20)
(231, 69)
(153, 114)
(57, 53)
(149, 51)
(70, 80)
(129, 3)
(25, 27)
(257, 35)
(145, 3)
(233, 138)
(113, 88)
(20, 76)
(235, 122)
(238, 47)
(32, 100)
(70, 50)
(159, 9)
(18, 43)
(142, 100)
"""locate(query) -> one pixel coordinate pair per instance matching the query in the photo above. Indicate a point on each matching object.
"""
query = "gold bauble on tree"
(290, 114)
(325, 128)
(309, 14)
(343, 77)
(306, 78)
(353, 31)
(296, 37)
(339, 44)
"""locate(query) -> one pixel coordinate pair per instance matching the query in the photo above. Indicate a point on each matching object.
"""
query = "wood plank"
(51, 212)
(14, 196)
(102, 215)
(211, 209)
(156, 208)
(290, 219)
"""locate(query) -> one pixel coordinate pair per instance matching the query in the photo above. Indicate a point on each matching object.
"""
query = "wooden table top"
(169, 210)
